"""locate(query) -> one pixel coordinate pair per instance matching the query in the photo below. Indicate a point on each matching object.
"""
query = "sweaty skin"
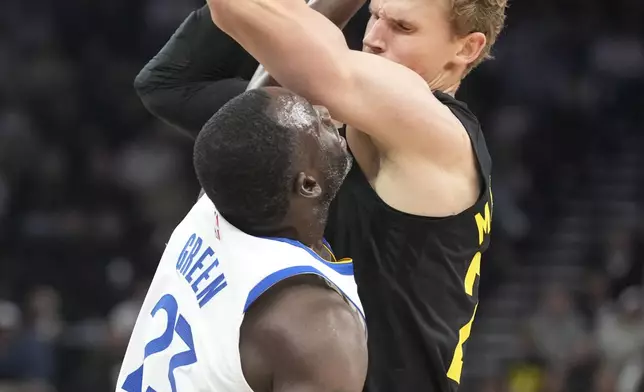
(415, 152)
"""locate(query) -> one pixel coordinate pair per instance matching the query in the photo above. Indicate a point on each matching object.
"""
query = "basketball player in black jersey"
(415, 211)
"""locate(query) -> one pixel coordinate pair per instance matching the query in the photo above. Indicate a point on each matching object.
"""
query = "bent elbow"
(143, 82)
(153, 93)
(160, 102)
(145, 90)
(154, 104)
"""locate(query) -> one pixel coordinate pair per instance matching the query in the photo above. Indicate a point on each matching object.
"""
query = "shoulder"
(303, 333)
(459, 109)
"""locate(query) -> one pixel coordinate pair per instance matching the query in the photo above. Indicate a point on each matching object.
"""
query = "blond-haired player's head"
(442, 40)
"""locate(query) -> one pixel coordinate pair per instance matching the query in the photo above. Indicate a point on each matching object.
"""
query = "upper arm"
(304, 338)
(327, 354)
(189, 106)
(392, 104)
(309, 55)
(197, 71)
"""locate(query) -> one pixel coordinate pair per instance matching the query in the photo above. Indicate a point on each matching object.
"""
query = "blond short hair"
(485, 16)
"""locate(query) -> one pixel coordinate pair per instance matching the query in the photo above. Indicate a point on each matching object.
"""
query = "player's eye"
(405, 28)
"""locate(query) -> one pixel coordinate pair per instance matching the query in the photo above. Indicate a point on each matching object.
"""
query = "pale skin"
(415, 153)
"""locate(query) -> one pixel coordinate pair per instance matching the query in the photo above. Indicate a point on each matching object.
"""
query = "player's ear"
(471, 47)
(307, 186)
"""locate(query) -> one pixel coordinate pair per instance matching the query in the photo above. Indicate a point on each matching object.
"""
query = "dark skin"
(339, 12)
(317, 139)
(301, 335)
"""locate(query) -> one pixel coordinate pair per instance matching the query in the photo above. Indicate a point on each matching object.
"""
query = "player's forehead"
(294, 112)
(410, 10)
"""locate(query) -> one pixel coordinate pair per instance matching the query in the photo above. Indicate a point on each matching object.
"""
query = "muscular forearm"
(337, 11)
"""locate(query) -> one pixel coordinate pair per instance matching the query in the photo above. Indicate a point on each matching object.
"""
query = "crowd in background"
(579, 340)
(91, 186)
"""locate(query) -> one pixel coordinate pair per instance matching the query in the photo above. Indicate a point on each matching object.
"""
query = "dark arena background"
(91, 187)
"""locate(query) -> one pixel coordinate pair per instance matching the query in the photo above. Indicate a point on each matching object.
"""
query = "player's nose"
(323, 112)
(373, 41)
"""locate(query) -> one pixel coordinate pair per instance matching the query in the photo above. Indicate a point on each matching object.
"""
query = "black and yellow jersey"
(417, 276)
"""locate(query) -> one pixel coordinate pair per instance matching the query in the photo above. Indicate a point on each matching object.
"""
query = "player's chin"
(341, 167)
(348, 165)
(343, 144)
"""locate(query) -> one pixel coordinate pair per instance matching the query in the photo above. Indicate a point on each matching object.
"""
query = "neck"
(314, 242)
(307, 228)
(451, 90)
(446, 82)
(320, 249)
(278, 231)
(311, 236)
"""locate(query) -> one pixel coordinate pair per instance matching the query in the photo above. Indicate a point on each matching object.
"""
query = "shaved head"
(267, 153)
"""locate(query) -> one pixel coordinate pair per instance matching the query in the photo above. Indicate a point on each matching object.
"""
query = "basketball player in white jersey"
(253, 300)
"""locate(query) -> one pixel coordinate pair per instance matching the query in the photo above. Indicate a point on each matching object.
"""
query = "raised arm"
(201, 68)
(198, 70)
(309, 55)
(303, 337)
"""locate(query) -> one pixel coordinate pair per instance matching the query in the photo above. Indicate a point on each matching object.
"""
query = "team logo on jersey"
(217, 233)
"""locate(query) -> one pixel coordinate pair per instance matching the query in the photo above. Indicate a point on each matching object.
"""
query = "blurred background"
(91, 186)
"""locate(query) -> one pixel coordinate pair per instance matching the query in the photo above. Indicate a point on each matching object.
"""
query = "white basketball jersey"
(186, 337)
